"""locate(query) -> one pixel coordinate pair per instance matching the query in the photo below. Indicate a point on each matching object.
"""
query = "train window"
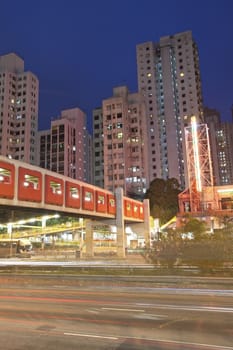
(31, 181)
(5, 175)
(100, 199)
(112, 202)
(56, 187)
(128, 207)
(74, 192)
(88, 196)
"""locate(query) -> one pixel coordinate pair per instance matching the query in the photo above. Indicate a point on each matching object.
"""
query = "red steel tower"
(199, 163)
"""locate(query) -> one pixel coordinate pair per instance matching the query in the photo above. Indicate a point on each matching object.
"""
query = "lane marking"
(90, 336)
(150, 316)
(93, 311)
(159, 340)
(116, 309)
(189, 308)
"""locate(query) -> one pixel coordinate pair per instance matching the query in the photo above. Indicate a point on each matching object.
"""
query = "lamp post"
(212, 224)
(9, 231)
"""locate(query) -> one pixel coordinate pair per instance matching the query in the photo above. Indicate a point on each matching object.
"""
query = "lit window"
(5, 175)
(101, 199)
(88, 197)
(74, 192)
(55, 187)
(112, 202)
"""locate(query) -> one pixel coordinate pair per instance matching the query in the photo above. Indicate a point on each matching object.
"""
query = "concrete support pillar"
(120, 223)
(43, 222)
(89, 239)
(9, 229)
(16, 182)
(147, 228)
(76, 236)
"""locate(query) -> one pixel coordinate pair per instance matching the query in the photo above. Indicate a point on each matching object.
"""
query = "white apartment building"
(65, 148)
(169, 79)
(19, 92)
(122, 142)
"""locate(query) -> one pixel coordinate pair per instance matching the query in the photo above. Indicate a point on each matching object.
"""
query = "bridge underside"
(10, 214)
(15, 213)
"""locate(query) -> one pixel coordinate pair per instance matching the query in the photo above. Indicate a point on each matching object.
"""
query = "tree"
(197, 227)
(206, 251)
(163, 197)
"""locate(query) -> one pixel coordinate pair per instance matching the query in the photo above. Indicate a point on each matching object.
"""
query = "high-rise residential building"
(221, 143)
(89, 158)
(98, 147)
(19, 91)
(120, 143)
(169, 79)
(65, 147)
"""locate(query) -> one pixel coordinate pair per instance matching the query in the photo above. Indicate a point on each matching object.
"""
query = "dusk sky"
(81, 49)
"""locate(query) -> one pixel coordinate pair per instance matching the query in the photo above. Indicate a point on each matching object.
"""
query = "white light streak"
(196, 154)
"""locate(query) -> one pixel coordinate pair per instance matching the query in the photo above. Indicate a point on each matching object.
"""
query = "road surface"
(57, 316)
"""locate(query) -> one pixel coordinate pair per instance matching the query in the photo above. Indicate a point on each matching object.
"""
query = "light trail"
(91, 336)
(196, 154)
(170, 342)
(116, 309)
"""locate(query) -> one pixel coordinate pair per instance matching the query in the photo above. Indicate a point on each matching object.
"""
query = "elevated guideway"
(27, 190)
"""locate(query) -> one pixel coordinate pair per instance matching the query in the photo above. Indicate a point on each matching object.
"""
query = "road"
(59, 316)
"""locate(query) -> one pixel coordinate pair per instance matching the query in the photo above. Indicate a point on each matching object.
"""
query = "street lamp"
(212, 224)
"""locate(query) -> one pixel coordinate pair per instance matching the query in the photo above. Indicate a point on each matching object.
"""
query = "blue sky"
(81, 49)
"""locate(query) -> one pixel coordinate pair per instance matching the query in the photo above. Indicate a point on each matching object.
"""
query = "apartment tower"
(169, 79)
(64, 148)
(221, 143)
(120, 153)
(19, 92)
(98, 147)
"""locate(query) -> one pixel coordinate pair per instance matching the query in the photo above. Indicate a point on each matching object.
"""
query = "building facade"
(169, 79)
(221, 143)
(120, 143)
(65, 147)
(19, 91)
(98, 147)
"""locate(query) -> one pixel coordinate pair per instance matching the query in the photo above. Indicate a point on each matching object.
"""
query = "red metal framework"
(199, 164)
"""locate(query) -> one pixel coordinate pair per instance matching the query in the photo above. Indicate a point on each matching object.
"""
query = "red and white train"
(26, 183)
